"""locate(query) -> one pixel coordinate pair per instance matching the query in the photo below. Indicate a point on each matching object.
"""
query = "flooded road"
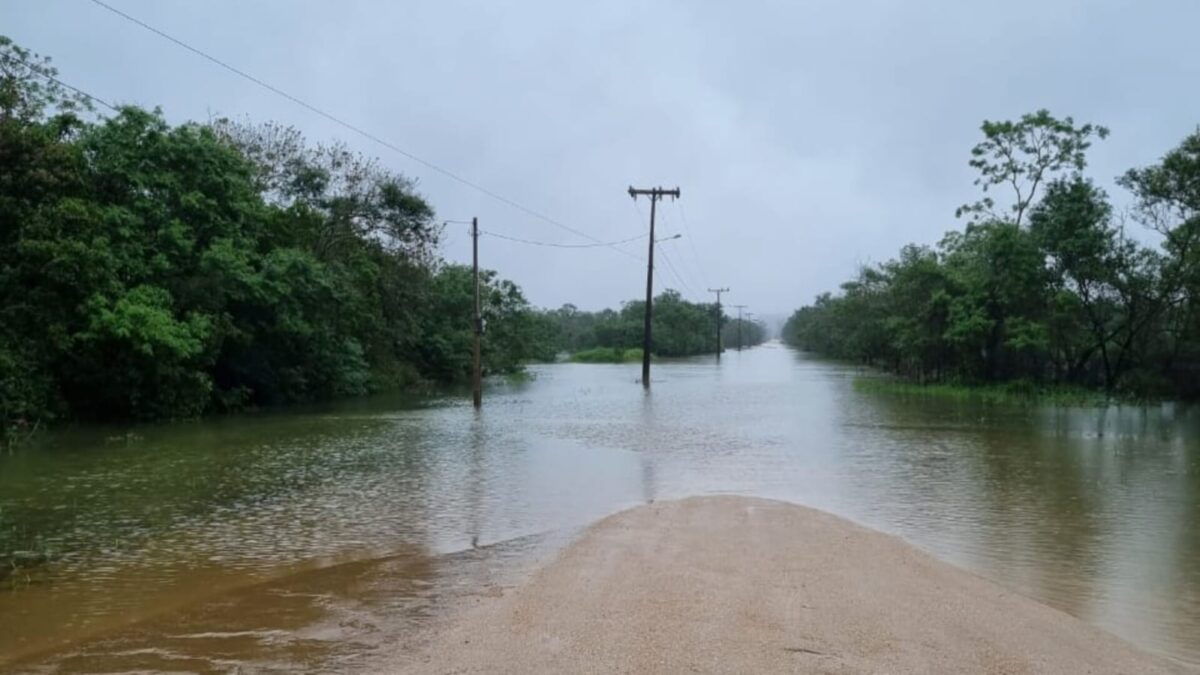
(318, 538)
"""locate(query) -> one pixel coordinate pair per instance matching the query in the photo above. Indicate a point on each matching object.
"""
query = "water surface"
(316, 538)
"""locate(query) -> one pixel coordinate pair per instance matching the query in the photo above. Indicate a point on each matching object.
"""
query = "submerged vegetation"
(1052, 294)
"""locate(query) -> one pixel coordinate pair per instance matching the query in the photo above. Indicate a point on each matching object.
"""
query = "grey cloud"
(808, 137)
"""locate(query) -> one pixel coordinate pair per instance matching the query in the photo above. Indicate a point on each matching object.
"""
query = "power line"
(683, 273)
(684, 270)
(638, 211)
(678, 254)
(674, 272)
(41, 73)
(555, 245)
(692, 242)
(358, 130)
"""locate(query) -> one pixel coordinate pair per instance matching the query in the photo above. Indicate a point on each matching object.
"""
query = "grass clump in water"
(607, 355)
(1017, 391)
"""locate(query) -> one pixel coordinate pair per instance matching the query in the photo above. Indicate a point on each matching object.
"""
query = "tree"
(998, 314)
(920, 294)
(1168, 202)
(751, 333)
(355, 196)
(39, 166)
(1098, 273)
(1066, 297)
(681, 328)
(29, 87)
(1024, 154)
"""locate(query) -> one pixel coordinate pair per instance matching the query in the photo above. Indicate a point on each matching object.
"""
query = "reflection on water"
(311, 537)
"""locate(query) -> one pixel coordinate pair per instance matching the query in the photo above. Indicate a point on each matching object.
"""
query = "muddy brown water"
(321, 539)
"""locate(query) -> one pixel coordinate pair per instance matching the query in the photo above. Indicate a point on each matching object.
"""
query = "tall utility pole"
(718, 291)
(655, 194)
(477, 365)
(739, 309)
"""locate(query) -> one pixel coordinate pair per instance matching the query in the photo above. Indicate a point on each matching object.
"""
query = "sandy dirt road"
(739, 585)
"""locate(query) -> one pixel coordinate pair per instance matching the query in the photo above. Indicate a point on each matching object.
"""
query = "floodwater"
(321, 539)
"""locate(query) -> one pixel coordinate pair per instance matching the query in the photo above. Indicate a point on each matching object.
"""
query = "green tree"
(681, 328)
(1071, 298)
(998, 315)
(920, 296)
(1022, 155)
(750, 332)
(149, 270)
(1168, 201)
(511, 331)
(1103, 280)
(40, 167)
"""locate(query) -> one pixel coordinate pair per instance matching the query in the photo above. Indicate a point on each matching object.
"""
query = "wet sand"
(739, 585)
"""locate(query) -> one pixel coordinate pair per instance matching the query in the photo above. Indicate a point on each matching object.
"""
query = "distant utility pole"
(655, 194)
(739, 309)
(477, 365)
(718, 291)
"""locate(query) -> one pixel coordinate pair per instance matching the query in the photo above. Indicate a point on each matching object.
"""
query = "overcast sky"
(808, 137)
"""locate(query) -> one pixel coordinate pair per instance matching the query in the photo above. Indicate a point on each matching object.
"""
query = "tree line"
(151, 270)
(743, 332)
(679, 328)
(1052, 290)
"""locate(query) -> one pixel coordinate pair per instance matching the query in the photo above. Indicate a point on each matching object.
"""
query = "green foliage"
(154, 271)
(1168, 201)
(680, 328)
(27, 88)
(608, 355)
(1023, 154)
(749, 333)
(1064, 300)
(510, 334)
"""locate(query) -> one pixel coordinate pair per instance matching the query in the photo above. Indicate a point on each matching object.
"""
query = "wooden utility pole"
(477, 365)
(655, 194)
(718, 291)
(739, 309)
